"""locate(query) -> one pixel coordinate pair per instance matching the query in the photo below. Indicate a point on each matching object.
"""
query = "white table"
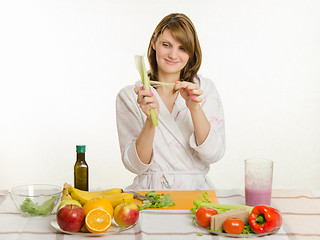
(300, 210)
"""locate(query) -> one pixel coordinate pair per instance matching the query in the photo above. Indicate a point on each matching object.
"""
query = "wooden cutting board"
(183, 199)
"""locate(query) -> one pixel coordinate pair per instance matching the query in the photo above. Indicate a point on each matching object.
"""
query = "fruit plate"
(114, 229)
(235, 235)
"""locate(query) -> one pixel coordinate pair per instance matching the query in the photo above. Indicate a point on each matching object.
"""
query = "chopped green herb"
(217, 231)
(153, 195)
(164, 201)
(247, 229)
(199, 234)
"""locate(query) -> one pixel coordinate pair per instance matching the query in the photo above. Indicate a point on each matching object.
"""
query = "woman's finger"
(193, 86)
(181, 85)
(137, 89)
(197, 92)
(186, 85)
(150, 106)
(146, 100)
(142, 94)
(197, 99)
(149, 103)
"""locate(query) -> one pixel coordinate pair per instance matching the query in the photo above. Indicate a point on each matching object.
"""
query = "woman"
(178, 152)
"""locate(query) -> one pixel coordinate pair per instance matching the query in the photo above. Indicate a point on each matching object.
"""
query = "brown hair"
(184, 31)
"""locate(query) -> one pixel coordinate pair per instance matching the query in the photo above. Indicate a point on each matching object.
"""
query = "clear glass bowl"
(35, 199)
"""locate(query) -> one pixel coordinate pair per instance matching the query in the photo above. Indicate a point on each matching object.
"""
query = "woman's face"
(171, 56)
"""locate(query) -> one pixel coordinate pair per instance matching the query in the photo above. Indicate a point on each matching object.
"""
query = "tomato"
(203, 216)
(233, 225)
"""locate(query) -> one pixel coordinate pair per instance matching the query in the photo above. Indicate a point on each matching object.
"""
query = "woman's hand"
(146, 101)
(190, 92)
(144, 142)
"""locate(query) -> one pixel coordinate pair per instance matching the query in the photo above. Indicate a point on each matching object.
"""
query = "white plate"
(236, 235)
(114, 228)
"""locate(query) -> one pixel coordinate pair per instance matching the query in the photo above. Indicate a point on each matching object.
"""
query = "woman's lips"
(170, 62)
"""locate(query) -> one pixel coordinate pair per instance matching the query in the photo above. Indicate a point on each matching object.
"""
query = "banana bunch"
(114, 195)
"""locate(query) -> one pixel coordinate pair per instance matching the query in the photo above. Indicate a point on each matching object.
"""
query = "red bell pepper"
(264, 219)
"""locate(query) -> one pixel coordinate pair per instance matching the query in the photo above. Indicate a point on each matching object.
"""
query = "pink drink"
(256, 196)
(258, 181)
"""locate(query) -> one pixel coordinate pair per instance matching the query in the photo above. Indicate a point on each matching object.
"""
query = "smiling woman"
(171, 55)
(178, 152)
(177, 35)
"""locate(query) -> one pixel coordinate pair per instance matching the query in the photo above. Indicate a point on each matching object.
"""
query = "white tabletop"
(300, 211)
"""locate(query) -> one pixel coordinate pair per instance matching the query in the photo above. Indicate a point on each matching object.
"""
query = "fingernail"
(190, 91)
(193, 97)
(151, 94)
(142, 87)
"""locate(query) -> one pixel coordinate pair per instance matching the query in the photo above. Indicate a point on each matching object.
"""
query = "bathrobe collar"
(167, 119)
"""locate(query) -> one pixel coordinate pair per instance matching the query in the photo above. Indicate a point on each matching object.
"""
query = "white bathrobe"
(177, 162)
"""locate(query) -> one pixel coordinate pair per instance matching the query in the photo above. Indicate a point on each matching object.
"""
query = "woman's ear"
(153, 44)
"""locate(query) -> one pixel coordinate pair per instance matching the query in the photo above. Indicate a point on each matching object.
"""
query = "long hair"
(183, 31)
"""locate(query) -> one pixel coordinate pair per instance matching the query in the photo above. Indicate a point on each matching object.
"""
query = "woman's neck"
(168, 96)
(168, 77)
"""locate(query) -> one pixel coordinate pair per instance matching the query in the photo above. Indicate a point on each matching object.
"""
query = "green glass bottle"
(81, 170)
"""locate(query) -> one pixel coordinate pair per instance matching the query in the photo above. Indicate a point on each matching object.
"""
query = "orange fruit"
(100, 203)
(98, 221)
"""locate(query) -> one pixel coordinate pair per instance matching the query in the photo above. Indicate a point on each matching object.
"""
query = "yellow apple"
(126, 214)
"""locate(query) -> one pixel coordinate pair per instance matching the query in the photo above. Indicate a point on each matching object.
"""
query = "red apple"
(126, 214)
(70, 218)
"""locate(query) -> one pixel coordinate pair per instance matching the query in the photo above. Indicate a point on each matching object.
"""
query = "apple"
(126, 214)
(69, 201)
(70, 218)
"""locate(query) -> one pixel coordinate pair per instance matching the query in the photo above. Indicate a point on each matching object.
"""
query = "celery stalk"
(221, 207)
(161, 83)
(145, 81)
(205, 202)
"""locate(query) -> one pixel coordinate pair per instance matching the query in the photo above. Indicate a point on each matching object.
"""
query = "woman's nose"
(173, 53)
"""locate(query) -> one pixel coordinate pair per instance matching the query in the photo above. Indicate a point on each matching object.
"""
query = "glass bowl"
(35, 199)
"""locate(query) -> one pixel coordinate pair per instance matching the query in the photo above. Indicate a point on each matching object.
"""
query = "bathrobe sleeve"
(130, 121)
(213, 148)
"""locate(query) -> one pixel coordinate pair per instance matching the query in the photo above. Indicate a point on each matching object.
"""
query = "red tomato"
(203, 216)
(233, 225)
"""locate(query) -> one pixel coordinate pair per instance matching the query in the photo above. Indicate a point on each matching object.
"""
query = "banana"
(65, 197)
(116, 199)
(82, 196)
(114, 195)
(65, 192)
(104, 192)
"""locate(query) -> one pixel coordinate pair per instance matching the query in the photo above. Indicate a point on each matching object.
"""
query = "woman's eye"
(182, 49)
(165, 44)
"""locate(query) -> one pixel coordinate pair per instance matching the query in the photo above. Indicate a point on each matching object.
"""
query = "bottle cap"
(81, 148)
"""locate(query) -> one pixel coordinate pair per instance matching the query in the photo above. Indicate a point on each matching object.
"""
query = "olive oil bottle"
(81, 170)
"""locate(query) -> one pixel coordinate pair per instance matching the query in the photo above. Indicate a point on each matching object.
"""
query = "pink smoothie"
(258, 196)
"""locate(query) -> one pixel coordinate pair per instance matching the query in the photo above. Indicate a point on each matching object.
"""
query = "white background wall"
(62, 63)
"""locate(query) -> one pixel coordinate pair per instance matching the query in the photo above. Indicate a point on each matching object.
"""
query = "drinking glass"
(258, 181)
